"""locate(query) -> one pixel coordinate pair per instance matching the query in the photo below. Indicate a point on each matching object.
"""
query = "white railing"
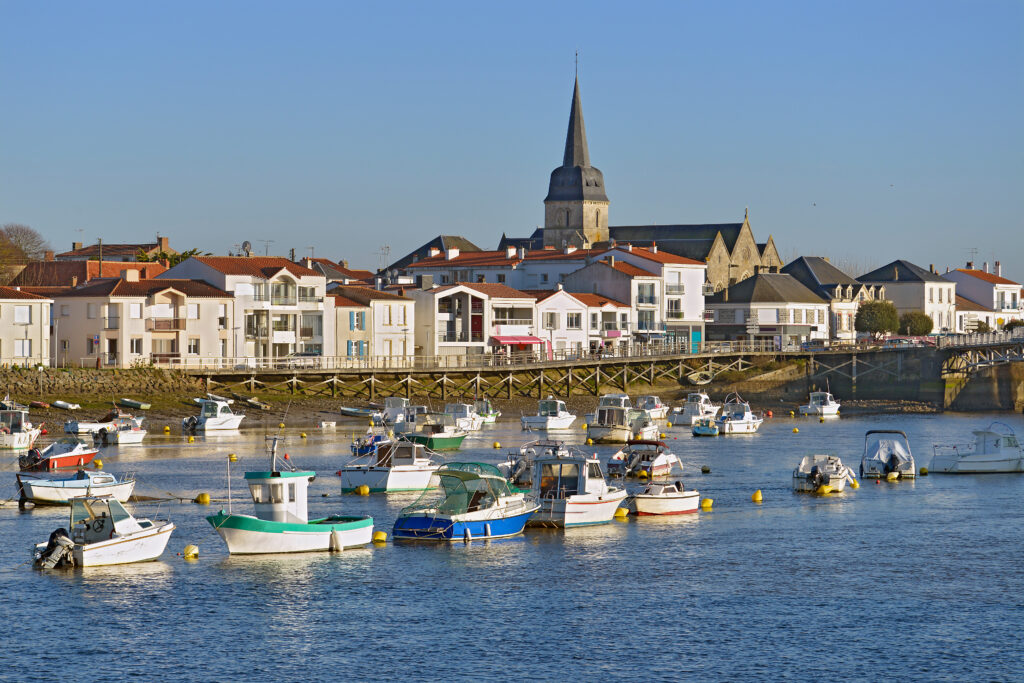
(981, 339)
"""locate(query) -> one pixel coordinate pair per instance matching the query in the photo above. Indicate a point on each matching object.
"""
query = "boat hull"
(387, 479)
(821, 411)
(436, 443)
(140, 546)
(609, 434)
(19, 441)
(584, 510)
(126, 436)
(738, 426)
(426, 527)
(677, 504)
(219, 423)
(548, 423)
(975, 464)
(44, 492)
(801, 485)
(59, 461)
(246, 535)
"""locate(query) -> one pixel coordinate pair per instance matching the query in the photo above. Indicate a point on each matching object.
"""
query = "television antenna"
(973, 251)
(266, 246)
(382, 256)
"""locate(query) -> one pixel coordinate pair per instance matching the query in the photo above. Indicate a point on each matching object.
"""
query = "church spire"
(576, 153)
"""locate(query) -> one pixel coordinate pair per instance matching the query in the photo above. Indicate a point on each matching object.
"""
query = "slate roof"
(991, 278)
(441, 242)
(901, 271)
(492, 290)
(814, 272)
(256, 266)
(120, 287)
(63, 273)
(661, 233)
(576, 179)
(767, 288)
(14, 293)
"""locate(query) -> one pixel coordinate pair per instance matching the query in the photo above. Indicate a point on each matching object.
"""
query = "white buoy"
(487, 530)
(467, 536)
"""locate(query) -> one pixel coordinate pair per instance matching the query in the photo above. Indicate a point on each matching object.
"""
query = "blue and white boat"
(474, 502)
(372, 442)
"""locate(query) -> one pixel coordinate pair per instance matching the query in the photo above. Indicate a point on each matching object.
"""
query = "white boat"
(551, 415)
(652, 458)
(80, 427)
(281, 523)
(122, 429)
(485, 409)
(465, 417)
(820, 403)
(51, 491)
(397, 466)
(64, 405)
(887, 455)
(103, 532)
(995, 449)
(821, 474)
(737, 418)
(518, 467)
(407, 419)
(214, 414)
(572, 491)
(698, 406)
(653, 405)
(394, 409)
(610, 401)
(666, 498)
(610, 425)
(16, 431)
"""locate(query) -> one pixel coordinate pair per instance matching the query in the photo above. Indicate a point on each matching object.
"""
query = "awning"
(498, 339)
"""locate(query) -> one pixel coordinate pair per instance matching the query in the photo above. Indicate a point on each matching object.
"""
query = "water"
(916, 581)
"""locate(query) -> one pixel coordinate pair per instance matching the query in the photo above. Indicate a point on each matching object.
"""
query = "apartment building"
(24, 328)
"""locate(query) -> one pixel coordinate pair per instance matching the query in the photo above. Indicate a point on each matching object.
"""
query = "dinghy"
(42, 490)
(666, 499)
(66, 452)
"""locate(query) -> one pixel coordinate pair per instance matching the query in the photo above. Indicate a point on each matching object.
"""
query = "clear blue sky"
(862, 130)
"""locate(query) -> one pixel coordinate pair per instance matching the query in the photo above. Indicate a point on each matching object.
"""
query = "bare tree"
(30, 243)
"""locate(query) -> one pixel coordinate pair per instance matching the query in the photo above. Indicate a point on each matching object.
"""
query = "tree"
(876, 318)
(915, 323)
(1012, 325)
(982, 327)
(32, 245)
(172, 259)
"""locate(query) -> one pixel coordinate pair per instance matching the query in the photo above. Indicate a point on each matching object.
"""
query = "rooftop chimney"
(629, 247)
(434, 251)
(47, 255)
(451, 253)
(522, 252)
(568, 249)
(130, 275)
(611, 260)
(970, 265)
(998, 269)
(984, 266)
(162, 243)
(510, 252)
(931, 267)
(343, 264)
(75, 246)
(74, 280)
(654, 247)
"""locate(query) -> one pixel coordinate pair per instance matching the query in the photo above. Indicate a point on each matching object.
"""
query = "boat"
(665, 498)
(365, 413)
(390, 468)
(38, 404)
(822, 474)
(103, 532)
(706, 426)
(251, 401)
(68, 451)
(610, 401)
(48, 491)
(644, 459)
(214, 414)
(518, 467)
(820, 403)
(737, 418)
(619, 425)
(394, 409)
(698, 406)
(132, 403)
(436, 431)
(474, 501)
(405, 419)
(485, 409)
(700, 377)
(551, 415)
(281, 523)
(996, 449)
(653, 405)
(76, 426)
(465, 417)
(572, 491)
(376, 437)
(121, 431)
(887, 455)
(16, 431)
(64, 405)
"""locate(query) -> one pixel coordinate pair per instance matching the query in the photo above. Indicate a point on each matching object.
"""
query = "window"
(645, 320)
(387, 315)
(90, 345)
(624, 321)
(595, 321)
(674, 309)
(193, 346)
(543, 277)
(223, 348)
(222, 316)
(22, 348)
(22, 315)
(401, 314)
(192, 312)
(91, 311)
(574, 321)
(501, 278)
(551, 321)
(136, 345)
(64, 344)
(349, 348)
(940, 294)
(481, 278)
(931, 295)
(65, 310)
(135, 311)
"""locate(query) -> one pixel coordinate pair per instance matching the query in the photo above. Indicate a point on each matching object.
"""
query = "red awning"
(498, 339)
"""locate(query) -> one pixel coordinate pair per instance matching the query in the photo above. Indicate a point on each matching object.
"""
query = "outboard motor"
(29, 460)
(57, 552)
(189, 423)
(815, 477)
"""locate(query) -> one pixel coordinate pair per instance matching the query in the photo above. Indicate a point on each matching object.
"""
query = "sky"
(863, 131)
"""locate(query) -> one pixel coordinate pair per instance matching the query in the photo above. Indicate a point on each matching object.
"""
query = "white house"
(24, 328)
(969, 314)
(562, 321)
(519, 268)
(770, 307)
(623, 281)
(843, 292)
(392, 323)
(912, 288)
(989, 290)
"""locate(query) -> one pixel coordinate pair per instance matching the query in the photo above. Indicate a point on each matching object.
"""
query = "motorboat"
(465, 417)
(485, 409)
(52, 491)
(653, 405)
(394, 409)
(133, 403)
(995, 449)
(551, 415)
(572, 491)
(619, 425)
(281, 523)
(610, 401)
(436, 431)
(737, 418)
(103, 532)
(887, 455)
(666, 498)
(698, 406)
(365, 413)
(820, 403)
(16, 431)
(214, 414)
(80, 427)
(644, 459)
(406, 420)
(398, 466)
(375, 438)
(518, 467)
(474, 501)
(822, 474)
(121, 431)
(69, 451)
(705, 426)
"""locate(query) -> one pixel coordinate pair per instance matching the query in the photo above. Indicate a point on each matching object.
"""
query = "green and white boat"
(436, 431)
(485, 409)
(281, 523)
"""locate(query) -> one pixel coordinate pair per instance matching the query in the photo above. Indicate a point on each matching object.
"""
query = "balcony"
(460, 337)
(111, 323)
(255, 332)
(646, 300)
(707, 289)
(307, 299)
(276, 300)
(309, 332)
(165, 324)
(708, 316)
(283, 326)
(512, 321)
(674, 315)
(675, 289)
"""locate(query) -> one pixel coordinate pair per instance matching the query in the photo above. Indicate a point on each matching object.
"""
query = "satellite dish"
(247, 247)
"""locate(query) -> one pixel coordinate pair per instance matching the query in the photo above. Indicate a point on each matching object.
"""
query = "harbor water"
(916, 580)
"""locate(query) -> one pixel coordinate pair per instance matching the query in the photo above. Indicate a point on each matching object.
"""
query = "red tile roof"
(493, 290)
(112, 250)
(965, 304)
(67, 273)
(366, 294)
(340, 301)
(661, 256)
(256, 266)
(482, 259)
(119, 287)
(987, 277)
(597, 300)
(14, 293)
(628, 269)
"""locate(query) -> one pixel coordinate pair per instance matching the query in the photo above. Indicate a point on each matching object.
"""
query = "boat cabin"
(211, 408)
(648, 402)
(988, 442)
(820, 398)
(394, 408)
(699, 399)
(280, 496)
(612, 417)
(95, 519)
(615, 401)
(14, 421)
(735, 411)
(483, 406)
(550, 407)
(458, 410)
(561, 477)
(399, 454)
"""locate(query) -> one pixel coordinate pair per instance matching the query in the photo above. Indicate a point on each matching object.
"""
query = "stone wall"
(52, 384)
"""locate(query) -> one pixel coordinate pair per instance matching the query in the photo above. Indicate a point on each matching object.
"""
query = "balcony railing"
(256, 332)
(513, 321)
(645, 299)
(709, 316)
(306, 299)
(277, 300)
(460, 337)
(165, 324)
(707, 289)
(675, 289)
(308, 333)
(674, 315)
(112, 323)
(283, 326)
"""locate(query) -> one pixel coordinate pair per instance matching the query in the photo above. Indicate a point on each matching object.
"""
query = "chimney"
(970, 265)
(162, 243)
(434, 251)
(654, 247)
(931, 267)
(75, 246)
(568, 249)
(560, 287)
(74, 280)
(522, 252)
(425, 281)
(611, 260)
(47, 255)
(130, 275)
(510, 252)
(984, 266)
(451, 253)
(998, 269)
(629, 247)
(344, 264)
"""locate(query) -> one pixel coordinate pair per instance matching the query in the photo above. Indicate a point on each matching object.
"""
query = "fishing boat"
(887, 455)
(281, 523)
(653, 405)
(822, 474)
(485, 409)
(46, 491)
(365, 413)
(572, 491)
(996, 449)
(737, 418)
(121, 431)
(407, 419)
(518, 467)
(394, 409)
(16, 431)
(551, 415)
(132, 403)
(619, 425)
(68, 451)
(706, 426)
(700, 377)
(376, 437)
(398, 466)
(820, 403)
(465, 417)
(665, 498)
(214, 414)
(474, 502)
(610, 401)
(103, 532)
(251, 401)
(436, 431)
(76, 426)
(698, 406)
(644, 459)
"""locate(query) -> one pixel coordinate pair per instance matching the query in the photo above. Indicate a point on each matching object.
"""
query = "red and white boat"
(666, 499)
(66, 452)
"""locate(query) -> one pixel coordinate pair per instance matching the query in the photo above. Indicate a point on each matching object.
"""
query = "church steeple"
(576, 153)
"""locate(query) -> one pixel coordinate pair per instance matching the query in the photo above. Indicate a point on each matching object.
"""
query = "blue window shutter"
(351, 322)
(349, 347)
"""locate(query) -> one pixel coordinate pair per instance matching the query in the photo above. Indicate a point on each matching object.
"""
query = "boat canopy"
(88, 509)
(888, 446)
(992, 441)
(465, 487)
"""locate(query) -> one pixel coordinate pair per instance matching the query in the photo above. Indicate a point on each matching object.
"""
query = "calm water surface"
(920, 580)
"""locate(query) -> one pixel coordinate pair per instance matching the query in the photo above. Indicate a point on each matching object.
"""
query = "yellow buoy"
(757, 497)
(167, 429)
(280, 425)
(824, 490)
(191, 439)
(621, 513)
(584, 426)
(892, 476)
(854, 484)
(202, 499)
(497, 444)
(191, 552)
(706, 504)
(792, 413)
(821, 419)
(302, 435)
(795, 430)
(924, 471)
(642, 474)
(97, 463)
(362, 490)
(590, 442)
(232, 457)
(662, 435)
(371, 421)
(380, 536)
(669, 425)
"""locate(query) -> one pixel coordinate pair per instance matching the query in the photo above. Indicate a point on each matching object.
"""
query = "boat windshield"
(559, 479)
(86, 509)
(694, 398)
(465, 487)
(548, 408)
(12, 419)
(611, 416)
(209, 409)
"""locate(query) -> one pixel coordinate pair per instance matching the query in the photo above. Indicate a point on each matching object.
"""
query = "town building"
(911, 288)
(24, 328)
(391, 323)
(519, 268)
(843, 292)
(338, 272)
(562, 322)
(969, 315)
(622, 281)
(768, 307)
(116, 252)
(353, 331)
(51, 273)
(991, 291)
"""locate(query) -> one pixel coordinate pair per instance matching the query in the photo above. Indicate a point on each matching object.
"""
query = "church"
(576, 215)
